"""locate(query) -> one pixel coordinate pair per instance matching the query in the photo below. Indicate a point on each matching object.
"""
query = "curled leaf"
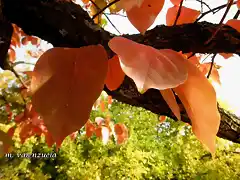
(170, 99)
(149, 67)
(199, 99)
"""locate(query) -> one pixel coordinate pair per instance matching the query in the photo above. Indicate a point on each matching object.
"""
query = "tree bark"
(65, 24)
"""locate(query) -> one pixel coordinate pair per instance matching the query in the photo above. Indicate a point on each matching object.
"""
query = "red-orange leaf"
(67, 82)
(226, 55)
(115, 75)
(144, 16)
(162, 118)
(199, 99)
(90, 129)
(214, 76)
(109, 99)
(149, 67)
(176, 2)
(121, 132)
(102, 105)
(234, 23)
(170, 99)
(238, 4)
(187, 15)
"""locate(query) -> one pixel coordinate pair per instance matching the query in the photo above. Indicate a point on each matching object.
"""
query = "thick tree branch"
(65, 24)
(6, 30)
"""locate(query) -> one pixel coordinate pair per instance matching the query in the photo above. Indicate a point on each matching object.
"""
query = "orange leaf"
(234, 23)
(144, 16)
(238, 4)
(115, 75)
(109, 99)
(199, 99)
(11, 131)
(162, 118)
(121, 132)
(149, 67)
(176, 2)
(90, 129)
(102, 105)
(187, 15)
(170, 99)
(226, 55)
(205, 67)
(129, 4)
(73, 135)
(67, 82)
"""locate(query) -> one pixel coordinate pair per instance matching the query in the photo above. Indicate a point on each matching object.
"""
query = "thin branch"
(99, 12)
(203, 3)
(236, 15)
(110, 14)
(214, 10)
(210, 70)
(178, 13)
(230, 3)
(22, 62)
(16, 74)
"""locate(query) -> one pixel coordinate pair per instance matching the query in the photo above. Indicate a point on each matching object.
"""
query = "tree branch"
(65, 24)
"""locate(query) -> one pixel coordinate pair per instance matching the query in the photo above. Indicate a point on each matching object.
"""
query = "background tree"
(65, 24)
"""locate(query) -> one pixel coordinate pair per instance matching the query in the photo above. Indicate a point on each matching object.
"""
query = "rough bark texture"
(65, 24)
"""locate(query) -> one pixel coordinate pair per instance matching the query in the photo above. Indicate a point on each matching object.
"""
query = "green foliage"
(153, 151)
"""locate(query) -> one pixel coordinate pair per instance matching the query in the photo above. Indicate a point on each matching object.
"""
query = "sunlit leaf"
(144, 16)
(115, 75)
(67, 82)
(176, 2)
(234, 23)
(199, 99)
(170, 99)
(187, 15)
(149, 67)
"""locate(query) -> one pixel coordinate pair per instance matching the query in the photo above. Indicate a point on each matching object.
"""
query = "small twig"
(178, 13)
(220, 23)
(101, 10)
(22, 62)
(115, 14)
(205, 58)
(214, 10)
(17, 75)
(104, 14)
(203, 3)
(210, 70)
(236, 15)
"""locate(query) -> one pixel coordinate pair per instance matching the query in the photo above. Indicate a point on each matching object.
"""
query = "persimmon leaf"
(90, 129)
(170, 99)
(129, 4)
(199, 99)
(144, 16)
(74, 80)
(176, 2)
(187, 15)
(234, 23)
(149, 67)
(115, 75)
(214, 76)
(226, 55)
(121, 132)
